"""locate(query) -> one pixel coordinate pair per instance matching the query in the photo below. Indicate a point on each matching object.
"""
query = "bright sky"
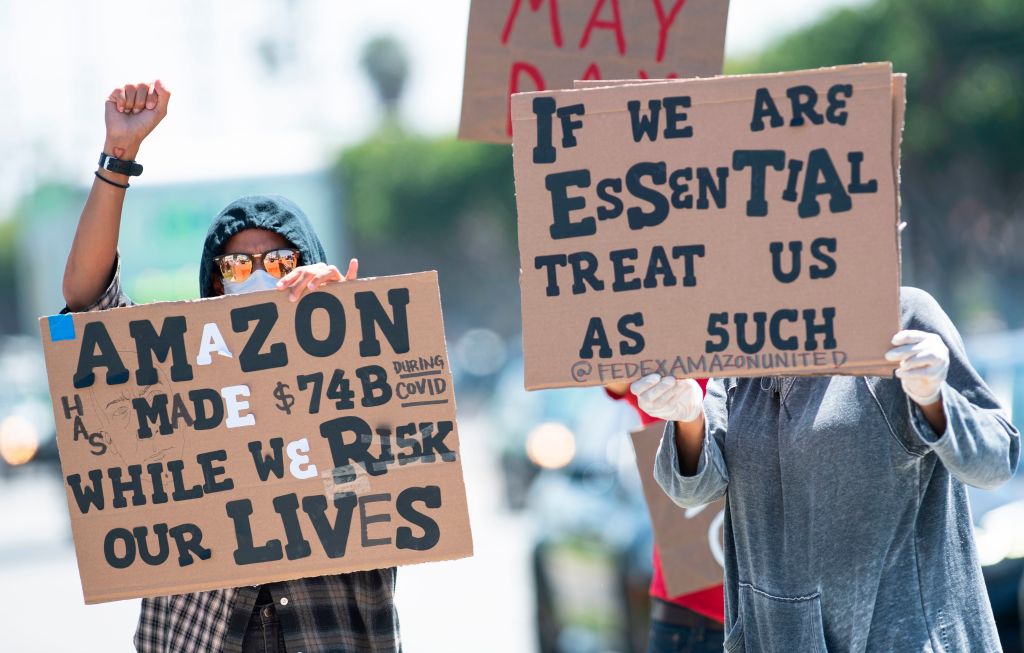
(229, 116)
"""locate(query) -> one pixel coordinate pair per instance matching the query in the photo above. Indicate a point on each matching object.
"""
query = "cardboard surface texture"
(731, 226)
(524, 45)
(247, 439)
(689, 539)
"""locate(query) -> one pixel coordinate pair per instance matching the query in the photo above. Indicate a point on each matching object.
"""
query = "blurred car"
(999, 537)
(565, 455)
(27, 434)
(592, 545)
(999, 514)
(592, 542)
(535, 430)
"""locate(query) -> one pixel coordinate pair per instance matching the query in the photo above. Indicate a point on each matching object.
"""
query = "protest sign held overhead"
(689, 540)
(533, 45)
(247, 439)
(734, 226)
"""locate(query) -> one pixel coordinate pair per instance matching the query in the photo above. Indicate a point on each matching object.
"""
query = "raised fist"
(132, 112)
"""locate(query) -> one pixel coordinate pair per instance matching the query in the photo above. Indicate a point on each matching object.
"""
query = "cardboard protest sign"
(733, 226)
(520, 45)
(899, 106)
(688, 539)
(899, 99)
(248, 439)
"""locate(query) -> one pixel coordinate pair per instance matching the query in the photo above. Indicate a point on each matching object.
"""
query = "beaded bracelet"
(110, 181)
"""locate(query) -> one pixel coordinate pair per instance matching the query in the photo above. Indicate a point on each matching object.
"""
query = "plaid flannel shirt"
(343, 613)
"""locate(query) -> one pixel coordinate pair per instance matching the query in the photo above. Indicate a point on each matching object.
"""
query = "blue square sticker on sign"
(62, 327)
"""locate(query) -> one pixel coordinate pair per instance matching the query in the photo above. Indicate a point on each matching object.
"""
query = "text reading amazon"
(248, 439)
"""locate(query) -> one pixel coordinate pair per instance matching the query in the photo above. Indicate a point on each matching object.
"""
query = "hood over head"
(271, 212)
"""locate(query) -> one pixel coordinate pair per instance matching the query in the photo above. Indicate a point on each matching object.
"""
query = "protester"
(689, 623)
(255, 243)
(847, 525)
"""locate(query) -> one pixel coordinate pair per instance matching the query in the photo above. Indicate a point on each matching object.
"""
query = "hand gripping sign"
(247, 439)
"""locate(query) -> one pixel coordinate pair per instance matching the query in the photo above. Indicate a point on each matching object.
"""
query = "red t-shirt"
(709, 602)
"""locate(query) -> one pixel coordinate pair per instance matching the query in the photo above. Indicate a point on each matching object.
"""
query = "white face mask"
(258, 280)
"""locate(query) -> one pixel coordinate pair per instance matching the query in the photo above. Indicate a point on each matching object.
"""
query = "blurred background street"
(350, 109)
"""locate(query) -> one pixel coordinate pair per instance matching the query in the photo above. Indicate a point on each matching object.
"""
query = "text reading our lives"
(319, 329)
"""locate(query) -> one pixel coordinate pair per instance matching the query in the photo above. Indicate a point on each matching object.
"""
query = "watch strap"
(120, 166)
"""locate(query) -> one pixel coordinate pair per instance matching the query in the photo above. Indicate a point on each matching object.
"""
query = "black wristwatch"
(120, 166)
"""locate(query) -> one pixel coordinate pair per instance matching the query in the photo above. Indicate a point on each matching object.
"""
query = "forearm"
(91, 259)
(130, 114)
(689, 437)
(705, 482)
(935, 414)
(979, 446)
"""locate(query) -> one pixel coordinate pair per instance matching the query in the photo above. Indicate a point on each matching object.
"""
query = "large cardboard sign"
(248, 439)
(521, 45)
(733, 226)
(688, 539)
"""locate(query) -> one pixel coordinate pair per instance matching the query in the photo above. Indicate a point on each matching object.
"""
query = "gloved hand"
(924, 362)
(669, 398)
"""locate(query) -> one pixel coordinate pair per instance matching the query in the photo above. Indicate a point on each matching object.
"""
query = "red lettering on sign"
(593, 72)
(642, 74)
(518, 69)
(615, 24)
(556, 27)
(664, 23)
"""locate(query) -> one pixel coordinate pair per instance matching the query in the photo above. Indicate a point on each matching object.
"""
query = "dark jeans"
(264, 632)
(670, 638)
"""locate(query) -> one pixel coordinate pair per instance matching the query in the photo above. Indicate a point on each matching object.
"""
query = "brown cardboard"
(899, 109)
(599, 83)
(899, 102)
(735, 273)
(97, 429)
(689, 539)
(539, 44)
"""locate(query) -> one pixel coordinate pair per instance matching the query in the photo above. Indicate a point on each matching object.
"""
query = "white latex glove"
(669, 398)
(924, 362)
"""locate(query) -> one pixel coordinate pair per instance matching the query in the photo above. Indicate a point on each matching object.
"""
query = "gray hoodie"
(847, 526)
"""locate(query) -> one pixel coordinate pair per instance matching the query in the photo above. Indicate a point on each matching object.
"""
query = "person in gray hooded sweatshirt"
(847, 525)
(255, 243)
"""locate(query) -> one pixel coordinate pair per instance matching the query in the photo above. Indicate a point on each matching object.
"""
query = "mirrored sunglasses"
(237, 267)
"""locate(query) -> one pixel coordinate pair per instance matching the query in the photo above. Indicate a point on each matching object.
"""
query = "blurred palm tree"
(416, 202)
(386, 63)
